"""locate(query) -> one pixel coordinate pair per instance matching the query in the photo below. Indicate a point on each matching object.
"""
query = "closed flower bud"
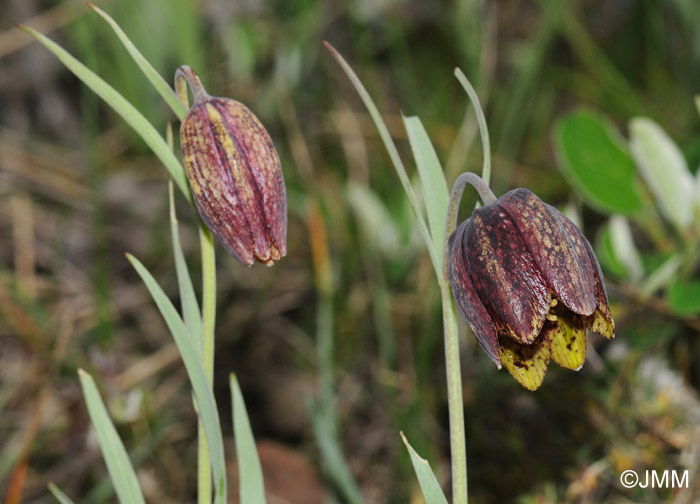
(528, 284)
(235, 175)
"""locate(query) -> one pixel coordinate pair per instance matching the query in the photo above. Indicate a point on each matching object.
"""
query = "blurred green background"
(78, 189)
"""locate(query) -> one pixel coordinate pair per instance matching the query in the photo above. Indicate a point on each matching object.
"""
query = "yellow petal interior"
(568, 338)
(600, 324)
(526, 363)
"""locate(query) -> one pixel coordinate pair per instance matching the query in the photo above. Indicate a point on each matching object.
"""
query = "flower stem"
(185, 74)
(208, 322)
(455, 403)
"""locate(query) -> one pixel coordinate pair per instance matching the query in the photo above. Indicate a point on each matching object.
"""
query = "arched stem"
(185, 75)
(486, 195)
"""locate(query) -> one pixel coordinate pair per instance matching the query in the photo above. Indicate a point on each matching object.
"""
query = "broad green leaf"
(665, 171)
(118, 464)
(250, 477)
(393, 154)
(122, 107)
(432, 493)
(165, 91)
(435, 193)
(684, 296)
(203, 395)
(60, 496)
(596, 162)
(188, 298)
(624, 248)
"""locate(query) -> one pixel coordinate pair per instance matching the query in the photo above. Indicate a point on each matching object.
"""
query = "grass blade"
(190, 306)
(250, 477)
(432, 493)
(203, 395)
(481, 121)
(393, 154)
(122, 107)
(435, 192)
(165, 91)
(60, 496)
(118, 464)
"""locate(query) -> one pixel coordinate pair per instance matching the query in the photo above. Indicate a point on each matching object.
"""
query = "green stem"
(208, 322)
(455, 402)
(449, 318)
(458, 446)
(186, 76)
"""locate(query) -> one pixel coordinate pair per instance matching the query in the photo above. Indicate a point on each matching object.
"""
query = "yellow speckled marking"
(568, 337)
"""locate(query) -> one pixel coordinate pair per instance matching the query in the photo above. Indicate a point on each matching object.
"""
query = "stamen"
(554, 302)
(552, 317)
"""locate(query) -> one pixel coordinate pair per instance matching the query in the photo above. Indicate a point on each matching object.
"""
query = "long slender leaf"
(432, 493)
(250, 477)
(60, 496)
(188, 298)
(122, 107)
(435, 192)
(393, 154)
(203, 395)
(118, 464)
(332, 453)
(165, 91)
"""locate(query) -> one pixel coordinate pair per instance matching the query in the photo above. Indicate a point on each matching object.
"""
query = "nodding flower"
(528, 284)
(235, 175)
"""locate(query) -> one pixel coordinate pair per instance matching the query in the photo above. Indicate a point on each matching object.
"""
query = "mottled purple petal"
(468, 303)
(505, 275)
(236, 179)
(558, 247)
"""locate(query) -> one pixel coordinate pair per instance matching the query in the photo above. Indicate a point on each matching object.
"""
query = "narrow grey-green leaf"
(60, 496)
(164, 90)
(250, 477)
(665, 171)
(122, 107)
(596, 162)
(393, 153)
(435, 193)
(188, 298)
(118, 464)
(432, 493)
(206, 404)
